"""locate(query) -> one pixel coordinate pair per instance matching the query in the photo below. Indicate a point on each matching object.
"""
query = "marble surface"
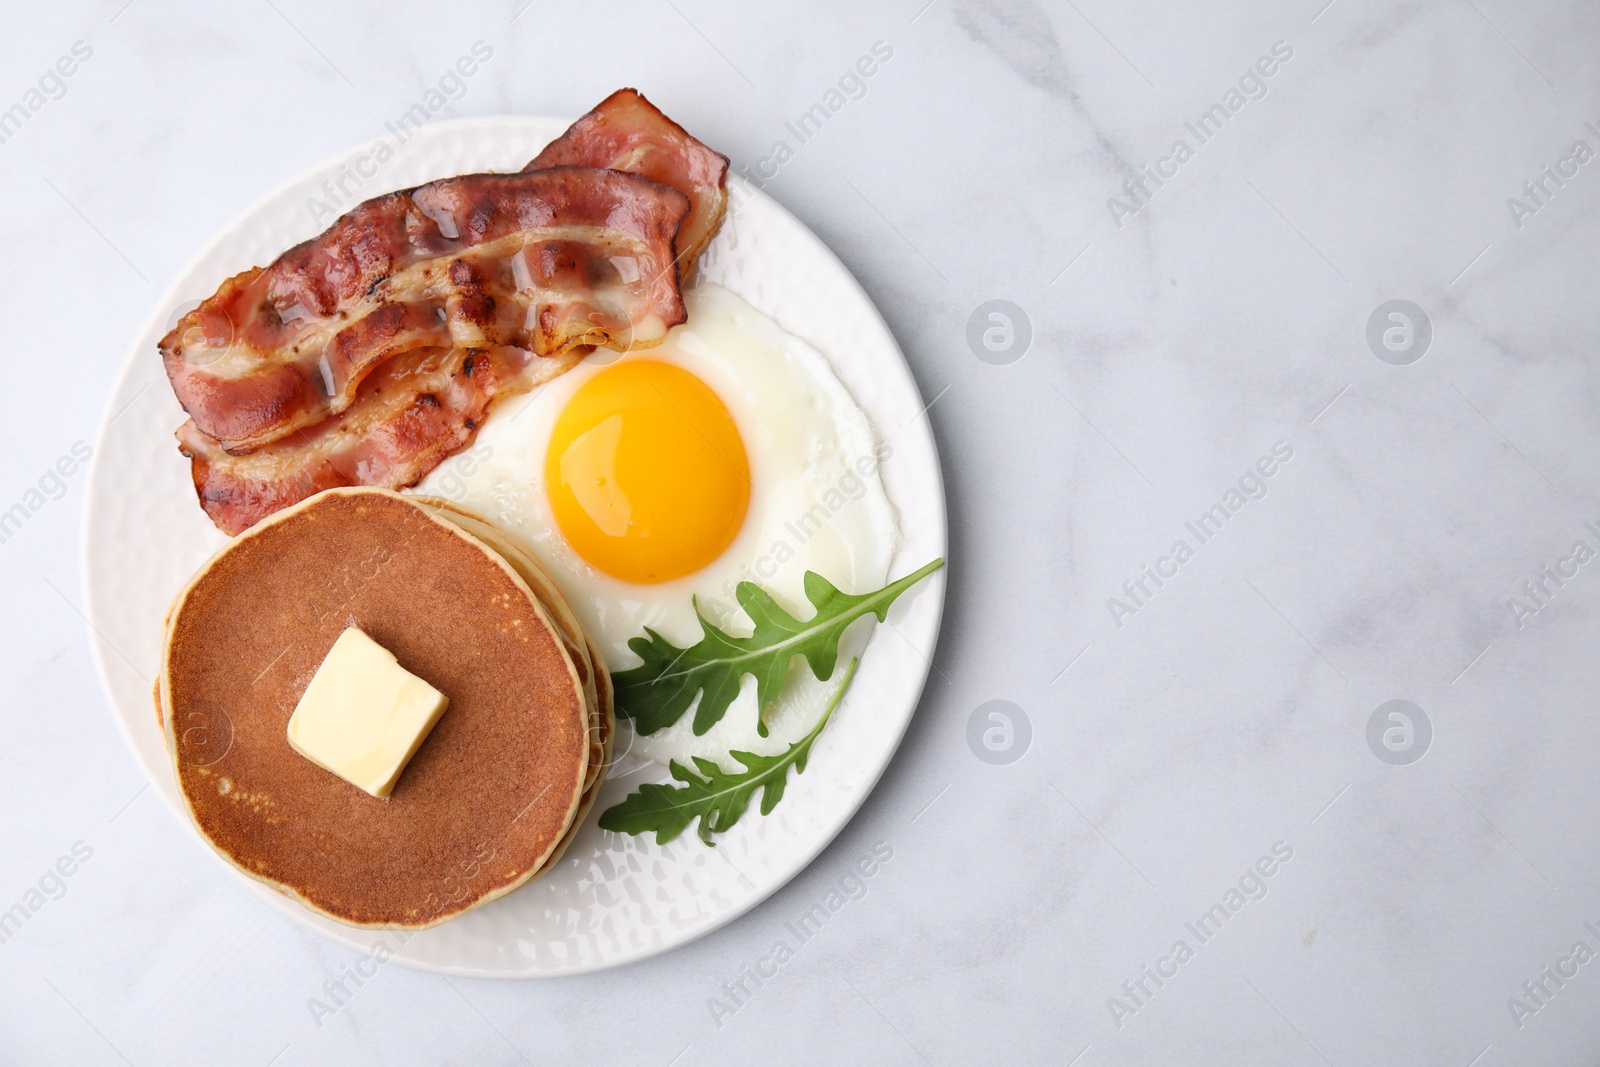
(1180, 738)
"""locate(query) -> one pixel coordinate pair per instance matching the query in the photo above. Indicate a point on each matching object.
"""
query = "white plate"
(613, 898)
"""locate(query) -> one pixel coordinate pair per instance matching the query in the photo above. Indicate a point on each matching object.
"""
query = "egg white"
(817, 503)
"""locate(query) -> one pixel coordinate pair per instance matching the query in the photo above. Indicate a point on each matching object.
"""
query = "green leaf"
(657, 693)
(714, 796)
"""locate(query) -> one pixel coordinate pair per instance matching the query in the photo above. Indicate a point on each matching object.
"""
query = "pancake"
(585, 656)
(600, 762)
(550, 595)
(489, 800)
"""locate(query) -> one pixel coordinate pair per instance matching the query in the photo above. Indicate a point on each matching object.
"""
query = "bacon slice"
(551, 261)
(370, 354)
(627, 132)
(411, 414)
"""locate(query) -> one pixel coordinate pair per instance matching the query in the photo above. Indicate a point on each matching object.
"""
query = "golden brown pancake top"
(486, 798)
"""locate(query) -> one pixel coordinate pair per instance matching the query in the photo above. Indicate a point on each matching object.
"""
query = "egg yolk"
(646, 473)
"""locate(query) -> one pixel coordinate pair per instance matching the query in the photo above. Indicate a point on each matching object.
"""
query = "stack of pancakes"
(496, 792)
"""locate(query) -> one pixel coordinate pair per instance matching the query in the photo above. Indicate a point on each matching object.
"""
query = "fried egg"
(662, 477)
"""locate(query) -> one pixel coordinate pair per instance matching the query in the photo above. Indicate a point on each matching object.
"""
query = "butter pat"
(364, 716)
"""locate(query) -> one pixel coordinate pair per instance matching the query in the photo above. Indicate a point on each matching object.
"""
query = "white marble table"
(1179, 332)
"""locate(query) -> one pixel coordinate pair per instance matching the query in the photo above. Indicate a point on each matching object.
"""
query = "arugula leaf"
(714, 796)
(657, 693)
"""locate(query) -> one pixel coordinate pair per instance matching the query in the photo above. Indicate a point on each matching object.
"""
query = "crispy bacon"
(411, 414)
(370, 354)
(550, 260)
(627, 132)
